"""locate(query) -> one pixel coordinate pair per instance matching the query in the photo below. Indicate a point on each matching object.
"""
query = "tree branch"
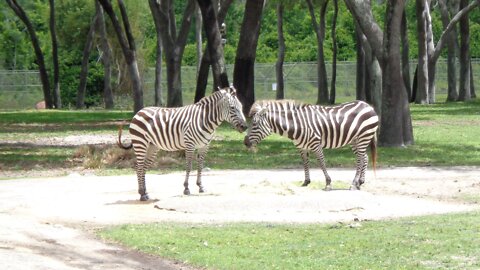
(450, 26)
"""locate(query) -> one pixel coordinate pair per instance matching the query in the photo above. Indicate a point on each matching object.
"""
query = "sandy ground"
(49, 223)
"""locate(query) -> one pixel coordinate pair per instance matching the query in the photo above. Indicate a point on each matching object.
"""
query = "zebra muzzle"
(247, 142)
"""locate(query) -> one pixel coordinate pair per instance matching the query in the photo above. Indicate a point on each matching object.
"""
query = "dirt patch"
(47, 223)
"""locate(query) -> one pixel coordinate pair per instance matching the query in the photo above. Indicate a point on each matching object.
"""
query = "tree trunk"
(204, 69)
(173, 45)
(281, 53)
(333, 89)
(106, 58)
(38, 52)
(430, 49)
(464, 91)
(472, 85)
(82, 85)
(396, 124)
(319, 28)
(57, 100)
(422, 70)
(451, 58)
(127, 44)
(243, 73)
(215, 48)
(405, 56)
(198, 35)
(159, 59)
(361, 72)
(373, 84)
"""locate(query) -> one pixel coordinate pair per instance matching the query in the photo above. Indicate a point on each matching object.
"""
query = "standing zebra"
(312, 127)
(185, 128)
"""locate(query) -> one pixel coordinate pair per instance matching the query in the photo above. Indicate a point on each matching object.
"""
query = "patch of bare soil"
(47, 223)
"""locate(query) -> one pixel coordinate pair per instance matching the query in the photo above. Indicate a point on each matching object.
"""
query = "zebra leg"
(188, 168)
(361, 166)
(200, 162)
(321, 160)
(141, 154)
(306, 167)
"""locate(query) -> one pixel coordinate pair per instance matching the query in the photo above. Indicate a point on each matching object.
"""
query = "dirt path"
(48, 223)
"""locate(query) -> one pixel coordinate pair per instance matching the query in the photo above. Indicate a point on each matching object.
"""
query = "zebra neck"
(282, 124)
(213, 114)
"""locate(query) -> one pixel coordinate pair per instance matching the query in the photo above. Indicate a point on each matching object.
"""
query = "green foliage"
(439, 242)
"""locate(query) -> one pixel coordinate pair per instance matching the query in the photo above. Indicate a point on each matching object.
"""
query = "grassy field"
(430, 242)
(445, 135)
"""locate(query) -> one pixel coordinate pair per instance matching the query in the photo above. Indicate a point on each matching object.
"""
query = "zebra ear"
(232, 90)
(257, 109)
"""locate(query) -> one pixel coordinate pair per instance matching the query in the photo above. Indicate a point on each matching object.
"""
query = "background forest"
(74, 19)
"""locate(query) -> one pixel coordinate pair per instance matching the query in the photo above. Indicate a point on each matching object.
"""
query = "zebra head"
(235, 110)
(260, 127)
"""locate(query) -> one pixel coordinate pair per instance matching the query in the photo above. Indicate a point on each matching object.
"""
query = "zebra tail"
(373, 153)
(119, 142)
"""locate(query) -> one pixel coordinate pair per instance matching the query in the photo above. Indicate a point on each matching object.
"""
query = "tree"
(158, 60)
(56, 74)
(451, 47)
(280, 94)
(396, 123)
(333, 90)
(127, 44)
(319, 28)
(38, 51)
(204, 65)
(464, 92)
(84, 68)
(173, 45)
(422, 73)
(106, 58)
(243, 73)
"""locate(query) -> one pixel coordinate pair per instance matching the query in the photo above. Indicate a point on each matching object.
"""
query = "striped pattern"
(312, 128)
(185, 128)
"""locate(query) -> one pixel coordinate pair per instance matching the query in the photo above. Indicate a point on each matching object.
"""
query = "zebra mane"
(208, 99)
(284, 103)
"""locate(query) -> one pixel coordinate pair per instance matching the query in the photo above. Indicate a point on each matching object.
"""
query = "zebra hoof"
(305, 183)
(144, 197)
(186, 192)
(354, 187)
(328, 188)
(201, 190)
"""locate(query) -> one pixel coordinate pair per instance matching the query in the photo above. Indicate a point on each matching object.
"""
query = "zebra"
(184, 128)
(312, 128)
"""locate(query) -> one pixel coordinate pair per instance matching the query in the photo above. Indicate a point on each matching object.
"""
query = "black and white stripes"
(312, 128)
(185, 128)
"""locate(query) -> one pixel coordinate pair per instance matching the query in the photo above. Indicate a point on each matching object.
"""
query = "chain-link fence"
(22, 89)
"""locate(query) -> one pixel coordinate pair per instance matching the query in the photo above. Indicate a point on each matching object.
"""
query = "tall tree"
(214, 42)
(82, 86)
(435, 52)
(129, 51)
(333, 90)
(57, 100)
(361, 73)
(173, 42)
(158, 62)
(319, 27)
(464, 92)
(37, 49)
(452, 93)
(243, 73)
(422, 69)
(280, 94)
(106, 58)
(396, 124)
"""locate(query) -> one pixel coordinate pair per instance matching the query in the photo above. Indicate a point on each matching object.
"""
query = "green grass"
(445, 135)
(430, 242)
